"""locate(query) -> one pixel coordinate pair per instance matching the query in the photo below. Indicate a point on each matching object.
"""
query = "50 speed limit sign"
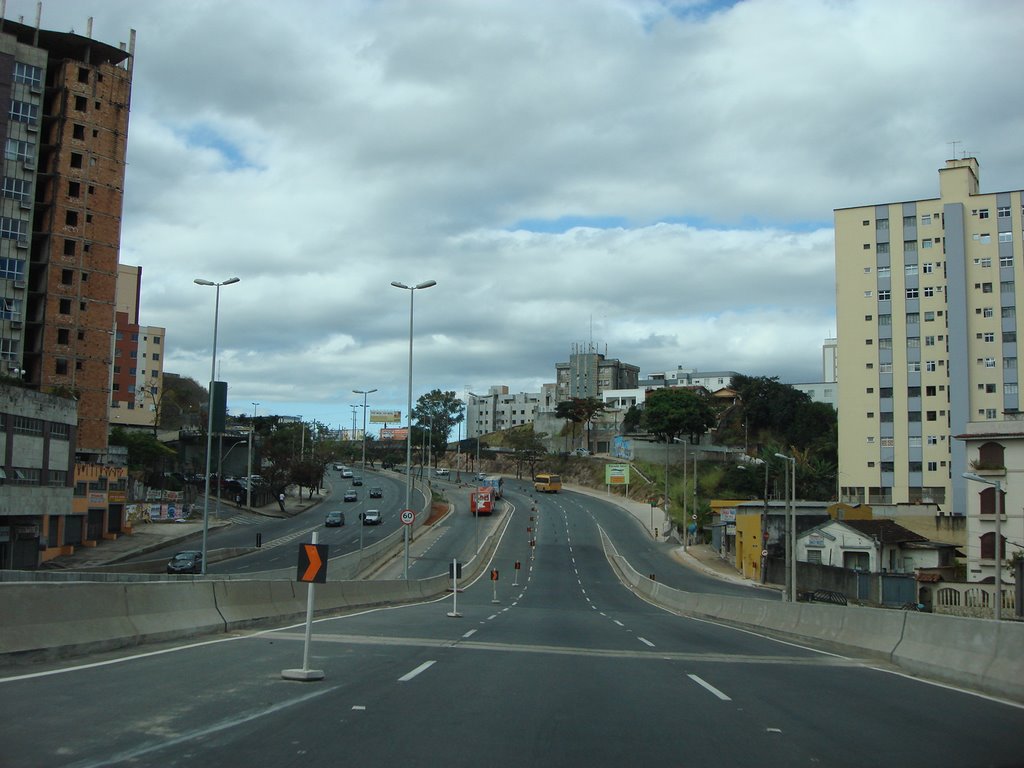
(408, 516)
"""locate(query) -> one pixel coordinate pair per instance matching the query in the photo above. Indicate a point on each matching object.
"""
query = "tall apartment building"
(137, 372)
(926, 298)
(589, 373)
(65, 138)
(499, 410)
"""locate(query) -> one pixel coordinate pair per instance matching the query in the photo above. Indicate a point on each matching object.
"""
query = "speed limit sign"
(408, 516)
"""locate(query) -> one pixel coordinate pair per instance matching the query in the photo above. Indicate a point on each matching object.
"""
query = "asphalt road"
(565, 667)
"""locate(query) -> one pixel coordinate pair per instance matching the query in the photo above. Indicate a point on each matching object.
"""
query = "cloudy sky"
(655, 178)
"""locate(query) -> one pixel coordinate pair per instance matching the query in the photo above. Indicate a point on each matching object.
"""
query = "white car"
(346, 473)
(442, 472)
(371, 517)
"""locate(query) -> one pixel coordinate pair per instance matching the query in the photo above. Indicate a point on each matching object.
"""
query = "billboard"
(385, 417)
(616, 474)
(394, 434)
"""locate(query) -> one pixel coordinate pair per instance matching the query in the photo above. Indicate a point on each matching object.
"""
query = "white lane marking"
(421, 668)
(773, 730)
(645, 641)
(709, 687)
(470, 633)
(618, 622)
(359, 707)
(492, 616)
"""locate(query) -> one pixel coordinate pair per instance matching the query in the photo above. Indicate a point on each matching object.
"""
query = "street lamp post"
(998, 605)
(364, 393)
(248, 464)
(408, 438)
(209, 415)
(790, 537)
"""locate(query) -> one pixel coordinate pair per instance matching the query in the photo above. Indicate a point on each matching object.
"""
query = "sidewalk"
(151, 536)
(700, 557)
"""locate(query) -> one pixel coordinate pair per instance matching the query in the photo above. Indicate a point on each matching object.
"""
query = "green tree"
(631, 419)
(579, 410)
(145, 453)
(674, 411)
(527, 447)
(440, 412)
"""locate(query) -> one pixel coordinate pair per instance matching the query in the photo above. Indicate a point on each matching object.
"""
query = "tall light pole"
(998, 605)
(248, 469)
(790, 536)
(209, 415)
(364, 393)
(408, 438)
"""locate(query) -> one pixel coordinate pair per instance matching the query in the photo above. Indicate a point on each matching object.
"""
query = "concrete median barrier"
(981, 654)
(168, 611)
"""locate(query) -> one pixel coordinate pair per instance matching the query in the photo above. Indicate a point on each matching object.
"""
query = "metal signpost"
(312, 569)
(455, 571)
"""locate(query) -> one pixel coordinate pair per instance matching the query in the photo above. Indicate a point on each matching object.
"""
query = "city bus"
(495, 483)
(481, 502)
(545, 482)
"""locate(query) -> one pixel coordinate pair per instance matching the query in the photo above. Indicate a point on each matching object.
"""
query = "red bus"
(481, 501)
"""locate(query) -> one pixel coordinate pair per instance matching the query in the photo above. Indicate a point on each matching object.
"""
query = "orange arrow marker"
(314, 562)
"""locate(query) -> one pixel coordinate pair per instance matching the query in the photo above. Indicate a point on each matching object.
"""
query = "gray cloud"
(321, 150)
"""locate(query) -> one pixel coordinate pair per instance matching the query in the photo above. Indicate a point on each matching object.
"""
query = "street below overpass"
(556, 664)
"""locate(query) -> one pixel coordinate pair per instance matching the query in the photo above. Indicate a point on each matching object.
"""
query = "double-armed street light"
(209, 415)
(364, 393)
(408, 438)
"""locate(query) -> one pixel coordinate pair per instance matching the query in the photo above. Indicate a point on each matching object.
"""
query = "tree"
(440, 412)
(673, 412)
(145, 453)
(579, 410)
(527, 447)
(631, 419)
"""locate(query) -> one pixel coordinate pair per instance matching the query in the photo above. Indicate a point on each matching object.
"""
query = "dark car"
(357, 480)
(351, 496)
(334, 519)
(186, 562)
(376, 493)
(372, 517)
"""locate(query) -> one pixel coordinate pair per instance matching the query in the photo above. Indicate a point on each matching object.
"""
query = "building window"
(17, 189)
(76, 159)
(884, 273)
(929, 317)
(986, 287)
(884, 295)
(926, 218)
(71, 218)
(1010, 389)
(983, 213)
(933, 440)
(24, 151)
(1009, 363)
(990, 362)
(24, 112)
(1003, 211)
(1009, 312)
(929, 366)
(1006, 260)
(885, 319)
(1006, 286)
(988, 338)
(913, 318)
(910, 269)
(882, 249)
(933, 466)
(913, 342)
(10, 309)
(1006, 237)
(929, 291)
(914, 367)
(28, 74)
(910, 246)
(929, 341)
(911, 293)
(12, 269)
(990, 413)
(882, 224)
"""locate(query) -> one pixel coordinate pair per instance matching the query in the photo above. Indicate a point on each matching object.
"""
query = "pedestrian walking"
(238, 500)
(280, 500)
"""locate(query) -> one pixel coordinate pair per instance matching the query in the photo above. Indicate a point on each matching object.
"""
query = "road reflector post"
(312, 569)
(494, 586)
(455, 573)
(515, 580)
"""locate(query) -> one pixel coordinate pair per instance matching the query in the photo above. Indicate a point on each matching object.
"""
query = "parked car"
(339, 467)
(334, 519)
(441, 472)
(351, 496)
(376, 493)
(190, 561)
(346, 472)
(581, 452)
(371, 517)
(481, 476)
(357, 480)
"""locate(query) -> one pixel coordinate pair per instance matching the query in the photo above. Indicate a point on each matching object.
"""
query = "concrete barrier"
(976, 653)
(980, 654)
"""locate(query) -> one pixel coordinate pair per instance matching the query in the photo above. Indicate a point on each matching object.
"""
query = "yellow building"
(926, 314)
